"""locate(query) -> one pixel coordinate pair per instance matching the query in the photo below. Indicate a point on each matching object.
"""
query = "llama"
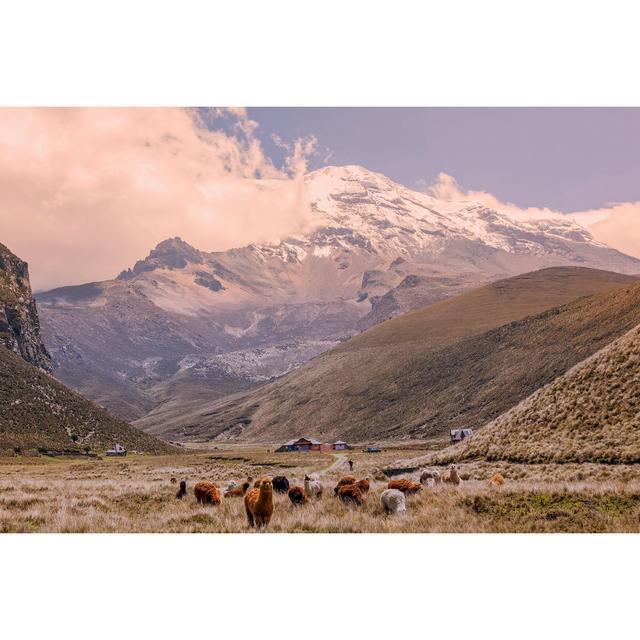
(313, 488)
(207, 493)
(451, 476)
(182, 491)
(363, 485)
(393, 501)
(297, 496)
(237, 492)
(344, 481)
(281, 484)
(173, 480)
(406, 486)
(232, 485)
(430, 477)
(258, 503)
(351, 493)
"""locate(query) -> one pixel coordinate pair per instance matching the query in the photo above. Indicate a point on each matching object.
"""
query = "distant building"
(458, 435)
(118, 450)
(309, 444)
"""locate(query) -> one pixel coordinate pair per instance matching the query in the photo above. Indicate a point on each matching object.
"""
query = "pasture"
(135, 494)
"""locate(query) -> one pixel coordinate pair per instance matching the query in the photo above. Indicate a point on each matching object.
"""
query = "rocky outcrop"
(19, 323)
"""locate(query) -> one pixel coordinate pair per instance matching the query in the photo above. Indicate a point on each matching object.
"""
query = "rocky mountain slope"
(589, 414)
(19, 323)
(37, 411)
(376, 250)
(458, 362)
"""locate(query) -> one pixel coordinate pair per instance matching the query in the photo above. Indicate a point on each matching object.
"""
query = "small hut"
(300, 444)
(340, 445)
(458, 435)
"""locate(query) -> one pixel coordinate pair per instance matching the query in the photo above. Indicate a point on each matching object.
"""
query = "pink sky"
(87, 192)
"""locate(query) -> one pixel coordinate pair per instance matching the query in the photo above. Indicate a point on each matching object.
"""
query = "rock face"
(376, 250)
(19, 323)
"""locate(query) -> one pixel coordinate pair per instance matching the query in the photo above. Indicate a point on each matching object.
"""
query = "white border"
(330, 53)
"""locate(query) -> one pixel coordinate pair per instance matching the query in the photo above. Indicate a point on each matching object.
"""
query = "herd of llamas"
(259, 501)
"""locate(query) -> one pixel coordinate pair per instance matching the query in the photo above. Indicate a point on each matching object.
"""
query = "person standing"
(350, 465)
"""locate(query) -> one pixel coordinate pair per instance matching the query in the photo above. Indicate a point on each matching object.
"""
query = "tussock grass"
(590, 414)
(137, 496)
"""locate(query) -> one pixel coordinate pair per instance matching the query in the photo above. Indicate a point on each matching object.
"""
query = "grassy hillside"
(590, 414)
(36, 411)
(454, 363)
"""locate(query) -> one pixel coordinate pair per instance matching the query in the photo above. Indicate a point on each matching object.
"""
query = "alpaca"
(363, 484)
(351, 493)
(173, 480)
(232, 485)
(207, 493)
(406, 486)
(343, 481)
(450, 476)
(496, 480)
(393, 501)
(297, 496)
(182, 492)
(430, 477)
(237, 492)
(281, 484)
(313, 488)
(258, 503)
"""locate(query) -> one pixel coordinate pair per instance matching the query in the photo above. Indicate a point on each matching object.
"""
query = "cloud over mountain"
(88, 190)
(617, 225)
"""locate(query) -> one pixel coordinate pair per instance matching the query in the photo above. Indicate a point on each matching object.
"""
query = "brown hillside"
(37, 411)
(443, 366)
(590, 414)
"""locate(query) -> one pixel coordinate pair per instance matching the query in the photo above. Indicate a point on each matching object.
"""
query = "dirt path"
(340, 458)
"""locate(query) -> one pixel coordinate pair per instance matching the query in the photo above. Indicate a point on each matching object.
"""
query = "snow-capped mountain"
(376, 249)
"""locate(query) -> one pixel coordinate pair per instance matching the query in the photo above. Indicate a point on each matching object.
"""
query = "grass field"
(134, 494)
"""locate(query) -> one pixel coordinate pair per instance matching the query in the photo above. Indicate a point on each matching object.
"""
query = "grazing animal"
(207, 493)
(363, 484)
(313, 488)
(393, 501)
(297, 496)
(258, 503)
(450, 476)
(237, 492)
(281, 484)
(182, 491)
(173, 480)
(343, 481)
(430, 477)
(232, 484)
(496, 480)
(351, 493)
(406, 486)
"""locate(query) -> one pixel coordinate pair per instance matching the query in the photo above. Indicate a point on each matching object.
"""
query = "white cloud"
(617, 225)
(86, 192)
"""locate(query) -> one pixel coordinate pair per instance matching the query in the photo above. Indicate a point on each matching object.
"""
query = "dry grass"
(135, 495)
(590, 414)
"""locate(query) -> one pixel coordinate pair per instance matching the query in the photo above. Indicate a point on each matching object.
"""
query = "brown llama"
(207, 493)
(496, 480)
(237, 492)
(258, 503)
(351, 493)
(297, 496)
(406, 486)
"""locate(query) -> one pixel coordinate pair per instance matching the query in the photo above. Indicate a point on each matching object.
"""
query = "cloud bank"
(87, 192)
(617, 225)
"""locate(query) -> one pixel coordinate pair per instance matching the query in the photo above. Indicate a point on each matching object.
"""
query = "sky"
(87, 192)
(567, 159)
